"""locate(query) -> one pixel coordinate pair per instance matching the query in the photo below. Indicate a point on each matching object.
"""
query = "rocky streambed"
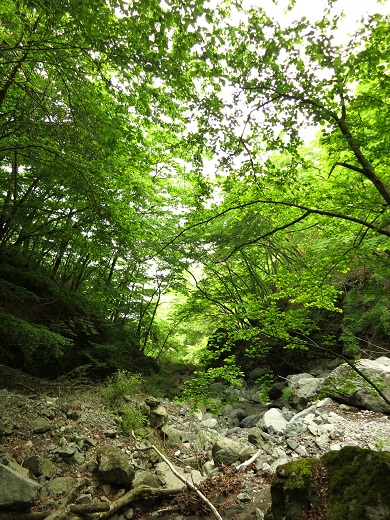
(71, 449)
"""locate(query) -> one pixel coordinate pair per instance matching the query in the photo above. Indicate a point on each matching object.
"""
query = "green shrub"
(132, 419)
(120, 384)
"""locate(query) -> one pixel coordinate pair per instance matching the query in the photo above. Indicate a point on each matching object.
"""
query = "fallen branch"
(83, 509)
(248, 462)
(132, 496)
(180, 477)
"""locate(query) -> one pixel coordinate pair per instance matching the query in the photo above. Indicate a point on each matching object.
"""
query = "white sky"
(313, 9)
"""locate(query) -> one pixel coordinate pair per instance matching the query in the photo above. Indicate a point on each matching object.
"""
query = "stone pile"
(48, 444)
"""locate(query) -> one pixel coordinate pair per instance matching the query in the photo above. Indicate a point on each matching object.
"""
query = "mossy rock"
(359, 484)
(350, 484)
(293, 490)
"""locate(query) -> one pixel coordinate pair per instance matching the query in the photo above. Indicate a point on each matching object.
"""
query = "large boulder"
(17, 490)
(351, 483)
(114, 467)
(347, 386)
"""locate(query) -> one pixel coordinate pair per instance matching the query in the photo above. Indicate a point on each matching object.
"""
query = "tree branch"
(272, 232)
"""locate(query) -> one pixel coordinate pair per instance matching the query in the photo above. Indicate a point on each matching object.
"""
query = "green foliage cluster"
(132, 419)
(198, 390)
(265, 383)
(121, 384)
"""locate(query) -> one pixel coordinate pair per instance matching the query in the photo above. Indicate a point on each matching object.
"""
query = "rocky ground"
(66, 426)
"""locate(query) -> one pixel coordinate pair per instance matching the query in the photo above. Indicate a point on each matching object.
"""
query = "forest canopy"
(152, 157)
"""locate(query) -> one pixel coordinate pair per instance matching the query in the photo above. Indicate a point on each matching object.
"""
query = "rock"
(77, 459)
(67, 451)
(273, 421)
(40, 425)
(17, 490)
(143, 478)
(113, 466)
(359, 483)
(212, 422)
(246, 453)
(152, 402)
(304, 391)
(6, 427)
(84, 499)
(158, 417)
(348, 387)
(226, 451)
(277, 390)
(295, 428)
(167, 478)
(295, 378)
(243, 497)
(57, 487)
(260, 439)
(252, 420)
(205, 439)
(173, 435)
(40, 466)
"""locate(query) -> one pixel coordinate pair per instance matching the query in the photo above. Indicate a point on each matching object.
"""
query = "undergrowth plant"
(119, 385)
(132, 419)
(198, 390)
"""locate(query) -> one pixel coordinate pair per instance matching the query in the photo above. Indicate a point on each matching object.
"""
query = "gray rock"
(144, 478)
(84, 499)
(57, 487)
(40, 425)
(166, 476)
(210, 423)
(243, 497)
(66, 451)
(252, 420)
(304, 391)
(273, 421)
(17, 490)
(6, 427)
(205, 439)
(246, 453)
(322, 441)
(152, 402)
(77, 459)
(158, 417)
(173, 435)
(295, 378)
(226, 451)
(113, 466)
(40, 466)
(238, 413)
(295, 428)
